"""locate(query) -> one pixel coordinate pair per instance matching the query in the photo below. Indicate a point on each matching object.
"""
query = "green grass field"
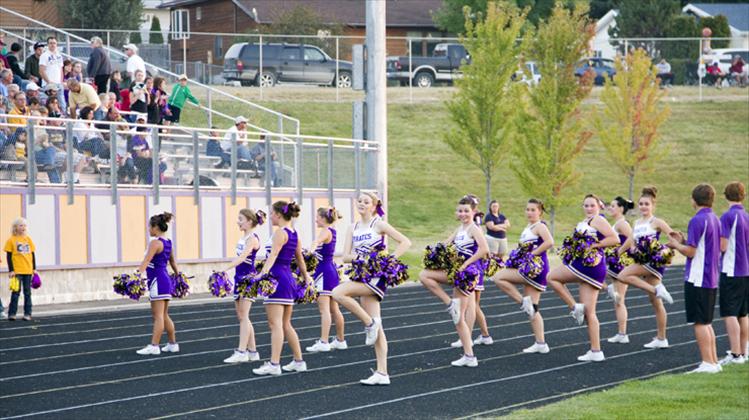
(677, 396)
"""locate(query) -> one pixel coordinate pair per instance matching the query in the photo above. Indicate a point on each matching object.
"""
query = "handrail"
(161, 70)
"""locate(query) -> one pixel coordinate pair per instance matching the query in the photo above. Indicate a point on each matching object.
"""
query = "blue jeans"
(99, 115)
(213, 148)
(47, 157)
(275, 168)
(25, 280)
(95, 146)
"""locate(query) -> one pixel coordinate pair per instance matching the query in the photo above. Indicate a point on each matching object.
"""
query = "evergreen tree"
(96, 14)
(155, 36)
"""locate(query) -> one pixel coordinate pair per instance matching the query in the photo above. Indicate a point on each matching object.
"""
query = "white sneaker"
(171, 348)
(295, 366)
(149, 350)
(537, 348)
(267, 369)
(730, 360)
(372, 331)
(706, 368)
(657, 343)
(254, 355)
(466, 361)
(238, 357)
(613, 293)
(592, 356)
(3, 315)
(319, 346)
(481, 340)
(662, 293)
(338, 345)
(578, 313)
(456, 344)
(527, 306)
(377, 378)
(454, 310)
(619, 338)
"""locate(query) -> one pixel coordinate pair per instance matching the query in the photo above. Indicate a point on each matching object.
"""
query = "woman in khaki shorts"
(496, 230)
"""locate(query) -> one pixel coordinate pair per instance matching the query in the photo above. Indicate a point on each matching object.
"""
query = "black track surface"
(85, 366)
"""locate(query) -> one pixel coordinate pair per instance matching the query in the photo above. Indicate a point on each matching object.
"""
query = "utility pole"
(377, 90)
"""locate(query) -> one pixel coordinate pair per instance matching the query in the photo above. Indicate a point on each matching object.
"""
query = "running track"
(85, 366)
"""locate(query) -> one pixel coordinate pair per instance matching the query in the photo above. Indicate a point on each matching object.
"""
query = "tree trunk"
(488, 189)
(631, 185)
(552, 213)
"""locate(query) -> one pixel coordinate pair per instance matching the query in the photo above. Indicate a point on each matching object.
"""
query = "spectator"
(664, 73)
(50, 67)
(126, 167)
(140, 151)
(257, 155)
(31, 67)
(239, 129)
(99, 66)
(134, 62)
(715, 75)
(44, 152)
(13, 89)
(53, 107)
(34, 104)
(87, 137)
(32, 91)
(114, 84)
(3, 60)
(158, 100)
(106, 104)
(67, 69)
(6, 79)
(84, 95)
(739, 72)
(76, 71)
(213, 148)
(139, 94)
(180, 94)
(20, 109)
(19, 77)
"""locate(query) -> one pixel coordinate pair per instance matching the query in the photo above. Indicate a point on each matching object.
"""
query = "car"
(284, 63)
(724, 57)
(442, 66)
(531, 76)
(602, 67)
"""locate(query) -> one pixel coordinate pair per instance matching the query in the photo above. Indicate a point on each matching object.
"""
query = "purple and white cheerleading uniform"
(596, 275)
(527, 236)
(247, 266)
(159, 283)
(610, 269)
(643, 229)
(285, 293)
(326, 274)
(467, 246)
(365, 239)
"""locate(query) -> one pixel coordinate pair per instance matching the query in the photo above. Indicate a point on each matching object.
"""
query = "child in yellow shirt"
(20, 253)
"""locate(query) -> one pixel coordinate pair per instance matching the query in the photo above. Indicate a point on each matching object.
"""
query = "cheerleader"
(617, 209)
(280, 305)
(538, 235)
(591, 279)
(326, 279)
(244, 264)
(367, 234)
(471, 245)
(647, 277)
(159, 252)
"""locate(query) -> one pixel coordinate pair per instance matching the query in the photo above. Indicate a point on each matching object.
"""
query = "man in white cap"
(239, 129)
(134, 62)
(32, 91)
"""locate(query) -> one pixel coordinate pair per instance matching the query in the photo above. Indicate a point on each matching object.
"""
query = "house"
(600, 45)
(44, 11)
(151, 9)
(405, 18)
(736, 13)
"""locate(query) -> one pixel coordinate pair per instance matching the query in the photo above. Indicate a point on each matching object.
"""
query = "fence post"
(268, 198)
(195, 170)
(155, 170)
(626, 48)
(69, 159)
(108, 42)
(260, 68)
(113, 169)
(336, 68)
(299, 171)
(233, 168)
(31, 161)
(210, 108)
(357, 168)
(410, 74)
(330, 172)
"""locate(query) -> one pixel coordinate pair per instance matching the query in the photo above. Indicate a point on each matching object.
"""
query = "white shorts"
(497, 245)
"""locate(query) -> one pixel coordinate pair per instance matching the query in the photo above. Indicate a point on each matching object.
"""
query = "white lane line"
(257, 378)
(487, 382)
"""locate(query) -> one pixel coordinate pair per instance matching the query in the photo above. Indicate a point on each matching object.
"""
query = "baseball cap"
(143, 117)
(51, 86)
(130, 47)
(32, 86)
(39, 45)
(182, 77)
(240, 120)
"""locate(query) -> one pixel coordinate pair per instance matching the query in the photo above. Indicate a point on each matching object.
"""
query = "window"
(198, 13)
(290, 53)
(218, 47)
(180, 24)
(313, 54)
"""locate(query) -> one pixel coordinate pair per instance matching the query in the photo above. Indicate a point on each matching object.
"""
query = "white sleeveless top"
(585, 227)
(464, 242)
(527, 235)
(364, 238)
(642, 229)
(240, 247)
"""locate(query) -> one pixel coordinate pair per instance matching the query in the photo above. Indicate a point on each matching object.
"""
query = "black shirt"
(497, 220)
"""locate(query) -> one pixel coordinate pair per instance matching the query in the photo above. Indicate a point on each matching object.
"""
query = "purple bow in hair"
(380, 212)
(331, 212)
(285, 209)
(260, 216)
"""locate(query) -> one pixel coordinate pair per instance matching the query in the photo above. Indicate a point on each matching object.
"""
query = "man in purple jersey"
(734, 276)
(702, 249)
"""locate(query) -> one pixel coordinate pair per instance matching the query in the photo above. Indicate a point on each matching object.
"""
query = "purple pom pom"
(36, 281)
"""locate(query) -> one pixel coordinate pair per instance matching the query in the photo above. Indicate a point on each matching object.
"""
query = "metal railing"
(180, 160)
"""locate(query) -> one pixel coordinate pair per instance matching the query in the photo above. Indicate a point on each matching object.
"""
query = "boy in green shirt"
(180, 94)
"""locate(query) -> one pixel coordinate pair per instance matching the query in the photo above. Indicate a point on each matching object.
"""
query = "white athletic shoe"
(267, 369)
(662, 293)
(295, 366)
(578, 313)
(481, 340)
(527, 306)
(149, 350)
(377, 378)
(537, 348)
(613, 293)
(730, 360)
(592, 356)
(254, 355)
(454, 310)
(372, 331)
(456, 344)
(466, 361)
(657, 343)
(3, 315)
(319, 346)
(171, 348)
(338, 345)
(619, 338)
(706, 368)
(238, 357)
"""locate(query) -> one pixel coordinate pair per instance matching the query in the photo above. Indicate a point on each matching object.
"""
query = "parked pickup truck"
(442, 66)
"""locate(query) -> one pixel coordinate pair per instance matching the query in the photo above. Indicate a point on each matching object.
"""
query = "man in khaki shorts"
(496, 230)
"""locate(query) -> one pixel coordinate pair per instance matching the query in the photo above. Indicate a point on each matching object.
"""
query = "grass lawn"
(677, 396)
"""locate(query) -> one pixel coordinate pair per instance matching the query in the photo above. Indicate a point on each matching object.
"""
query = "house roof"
(399, 13)
(737, 14)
